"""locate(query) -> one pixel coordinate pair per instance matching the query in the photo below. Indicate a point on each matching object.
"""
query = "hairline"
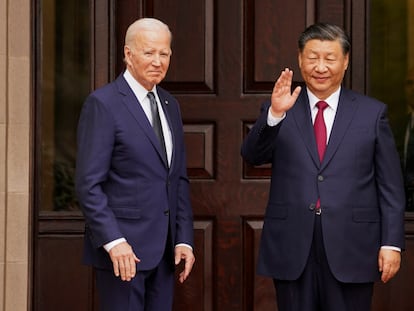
(325, 32)
(145, 24)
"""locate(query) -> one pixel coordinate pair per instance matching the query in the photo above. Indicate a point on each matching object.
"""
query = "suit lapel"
(138, 113)
(346, 110)
(303, 119)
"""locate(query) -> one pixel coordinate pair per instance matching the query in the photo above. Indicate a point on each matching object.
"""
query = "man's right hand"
(282, 98)
(124, 261)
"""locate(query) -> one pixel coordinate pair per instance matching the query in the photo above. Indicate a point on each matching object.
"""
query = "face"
(148, 57)
(323, 66)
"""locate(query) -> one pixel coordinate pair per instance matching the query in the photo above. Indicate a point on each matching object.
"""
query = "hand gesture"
(282, 98)
(184, 253)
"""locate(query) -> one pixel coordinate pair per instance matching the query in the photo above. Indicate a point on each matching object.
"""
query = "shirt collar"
(332, 100)
(139, 91)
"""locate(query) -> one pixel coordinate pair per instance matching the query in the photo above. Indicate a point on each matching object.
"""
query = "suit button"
(312, 207)
(320, 178)
(167, 212)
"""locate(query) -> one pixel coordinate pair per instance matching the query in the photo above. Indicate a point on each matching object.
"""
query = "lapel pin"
(166, 102)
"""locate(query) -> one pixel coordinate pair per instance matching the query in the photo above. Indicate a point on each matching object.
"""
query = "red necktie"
(319, 128)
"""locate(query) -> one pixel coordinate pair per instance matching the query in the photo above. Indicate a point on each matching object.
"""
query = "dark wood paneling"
(101, 61)
(198, 289)
(61, 282)
(192, 25)
(199, 140)
(271, 40)
(259, 293)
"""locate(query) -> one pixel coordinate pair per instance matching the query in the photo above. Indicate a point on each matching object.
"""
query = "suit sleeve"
(184, 227)
(95, 142)
(390, 185)
(257, 148)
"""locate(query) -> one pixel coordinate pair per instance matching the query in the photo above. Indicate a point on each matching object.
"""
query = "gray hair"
(145, 24)
(325, 32)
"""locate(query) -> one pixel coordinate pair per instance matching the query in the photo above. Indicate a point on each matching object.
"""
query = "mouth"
(321, 79)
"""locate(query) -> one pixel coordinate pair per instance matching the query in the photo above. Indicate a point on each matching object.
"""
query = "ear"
(127, 54)
(346, 61)
(300, 59)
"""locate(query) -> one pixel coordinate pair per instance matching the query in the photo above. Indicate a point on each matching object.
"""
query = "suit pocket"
(365, 215)
(127, 213)
(278, 211)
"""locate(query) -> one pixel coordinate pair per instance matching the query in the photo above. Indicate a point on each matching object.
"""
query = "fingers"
(189, 262)
(284, 82)
(388, 263)
(188, 256)
(124, 261)
(296, 92)
(389, 270)
(282, 97)
(126, 268)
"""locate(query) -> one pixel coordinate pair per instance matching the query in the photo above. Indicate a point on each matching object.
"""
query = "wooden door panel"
(62, 283)
(258, 291)
(192, 25)
(270, 40)
(198, 289)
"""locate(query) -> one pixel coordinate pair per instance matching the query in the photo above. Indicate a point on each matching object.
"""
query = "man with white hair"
(131, 179)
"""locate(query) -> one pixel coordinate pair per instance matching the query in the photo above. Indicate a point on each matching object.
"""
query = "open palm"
(282, 98)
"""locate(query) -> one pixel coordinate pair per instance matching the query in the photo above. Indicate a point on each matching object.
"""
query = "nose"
(321, 65)
(156, 60)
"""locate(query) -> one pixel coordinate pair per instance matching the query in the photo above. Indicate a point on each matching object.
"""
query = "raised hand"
(282, 98)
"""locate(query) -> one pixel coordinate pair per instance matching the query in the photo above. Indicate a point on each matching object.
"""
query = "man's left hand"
(184, 253)
(388, 263)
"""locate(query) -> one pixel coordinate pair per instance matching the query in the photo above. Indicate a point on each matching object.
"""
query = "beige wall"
(15, 168)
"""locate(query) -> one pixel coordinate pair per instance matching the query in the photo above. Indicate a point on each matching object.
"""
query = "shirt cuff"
(273, 121)
(109, 245)
(394, 248)
(184, 244)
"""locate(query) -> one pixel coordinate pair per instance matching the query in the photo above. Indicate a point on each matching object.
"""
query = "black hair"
(325, 32)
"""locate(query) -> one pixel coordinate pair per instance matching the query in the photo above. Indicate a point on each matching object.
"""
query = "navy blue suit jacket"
(123, 184)
(359, 183)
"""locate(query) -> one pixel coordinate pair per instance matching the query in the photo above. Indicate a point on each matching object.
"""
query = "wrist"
(276, 114)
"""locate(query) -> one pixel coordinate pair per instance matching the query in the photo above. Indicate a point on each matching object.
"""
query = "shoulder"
(362, 99)
(109, 93)
(166, 98)
(163, 93)
(114, 87)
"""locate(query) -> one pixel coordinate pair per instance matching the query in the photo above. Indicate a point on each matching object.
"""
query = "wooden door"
(226, 56)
